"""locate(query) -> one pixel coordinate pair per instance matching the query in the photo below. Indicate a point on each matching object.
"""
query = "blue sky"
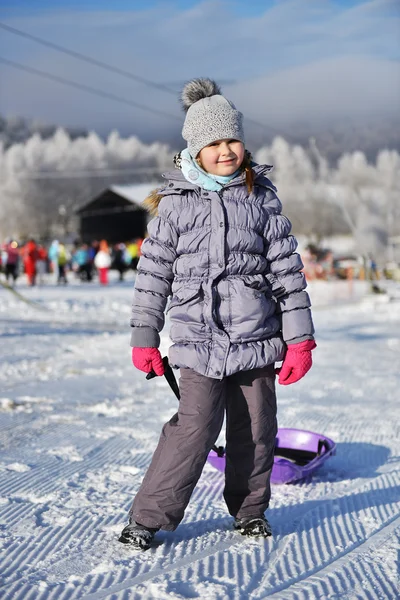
(239, 6)
(20, 8)
(279, 60)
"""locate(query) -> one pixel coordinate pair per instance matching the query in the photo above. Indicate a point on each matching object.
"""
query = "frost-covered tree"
(354, 196)
(15, 129)
(43, 181)
(369, 197)
(301, 179)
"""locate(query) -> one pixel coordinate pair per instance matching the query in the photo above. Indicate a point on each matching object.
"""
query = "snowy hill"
(78, 425)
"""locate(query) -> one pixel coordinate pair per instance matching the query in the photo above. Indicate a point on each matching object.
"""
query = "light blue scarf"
(193, 173)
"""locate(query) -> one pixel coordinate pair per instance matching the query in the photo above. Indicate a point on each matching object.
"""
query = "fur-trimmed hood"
(177, 183)
(152, 201)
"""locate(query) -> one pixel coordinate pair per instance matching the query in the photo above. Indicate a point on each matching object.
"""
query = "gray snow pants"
(251, 427)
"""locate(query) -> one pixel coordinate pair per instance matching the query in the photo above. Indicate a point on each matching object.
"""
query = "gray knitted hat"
(210, 116)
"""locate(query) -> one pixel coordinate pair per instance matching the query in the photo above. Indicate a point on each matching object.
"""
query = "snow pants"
(11, 271)
(249, 400)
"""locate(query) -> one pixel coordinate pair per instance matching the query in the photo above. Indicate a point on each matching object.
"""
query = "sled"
(298, 453)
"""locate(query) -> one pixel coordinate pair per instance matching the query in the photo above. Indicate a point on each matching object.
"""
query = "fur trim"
(196, 90)
(152, 201)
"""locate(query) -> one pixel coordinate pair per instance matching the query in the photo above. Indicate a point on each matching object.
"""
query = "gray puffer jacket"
(229, 262)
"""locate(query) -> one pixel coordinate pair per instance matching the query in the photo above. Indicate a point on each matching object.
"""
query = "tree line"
(43, 180)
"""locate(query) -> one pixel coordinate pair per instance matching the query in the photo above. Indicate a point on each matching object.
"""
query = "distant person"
(139, 242)
(372, 268)
(118, 260)
(41, 264)
(53, 258)
(133, 251)
(82, 263)
(93, 250)
(102, 262)
(11, 261)
(62, 263)
(221, 248)
(327, 265)
(30, 256)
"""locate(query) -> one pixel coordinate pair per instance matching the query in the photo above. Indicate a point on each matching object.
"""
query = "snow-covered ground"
(78, 425)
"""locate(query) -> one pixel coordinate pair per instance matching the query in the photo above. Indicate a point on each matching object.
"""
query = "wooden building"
(116, 215)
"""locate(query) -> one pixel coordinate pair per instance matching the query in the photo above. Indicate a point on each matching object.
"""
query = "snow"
(78, 425)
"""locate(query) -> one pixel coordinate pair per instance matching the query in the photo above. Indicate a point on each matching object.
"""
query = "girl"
(221, 248)
(102, 262)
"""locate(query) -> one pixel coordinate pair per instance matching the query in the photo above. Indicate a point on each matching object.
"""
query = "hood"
(177, 182)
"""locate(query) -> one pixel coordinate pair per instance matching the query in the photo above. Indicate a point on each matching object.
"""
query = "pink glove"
(297, 362)
(148, 359)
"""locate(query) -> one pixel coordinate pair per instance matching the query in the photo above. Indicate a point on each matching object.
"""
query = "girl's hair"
(246, 166)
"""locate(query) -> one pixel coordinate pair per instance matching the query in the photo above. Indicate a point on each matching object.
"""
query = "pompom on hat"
(209, 115)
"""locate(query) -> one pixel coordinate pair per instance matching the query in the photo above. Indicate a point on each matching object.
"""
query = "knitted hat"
(210, 116)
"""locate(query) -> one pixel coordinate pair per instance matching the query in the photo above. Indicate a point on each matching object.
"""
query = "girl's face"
(222, 157)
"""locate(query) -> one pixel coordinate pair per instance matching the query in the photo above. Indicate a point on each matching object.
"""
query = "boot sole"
(137, 543)
(263, 534)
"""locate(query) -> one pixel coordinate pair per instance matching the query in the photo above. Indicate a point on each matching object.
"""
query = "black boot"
(253, 526)
(137, 535)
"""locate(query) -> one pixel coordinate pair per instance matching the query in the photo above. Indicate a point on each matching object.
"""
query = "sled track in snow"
(327, 537)
(272, 556)
(317, 548)
(73, 457)
(347, 573)
(323, 539)
(269, 562)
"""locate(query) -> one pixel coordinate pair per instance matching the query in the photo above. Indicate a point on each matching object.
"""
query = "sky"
(279, 61)
(244, 8)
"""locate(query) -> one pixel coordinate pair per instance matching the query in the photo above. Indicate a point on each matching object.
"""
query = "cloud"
(345, 86)
(299, 57)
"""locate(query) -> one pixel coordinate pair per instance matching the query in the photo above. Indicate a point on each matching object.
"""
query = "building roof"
(134, 193)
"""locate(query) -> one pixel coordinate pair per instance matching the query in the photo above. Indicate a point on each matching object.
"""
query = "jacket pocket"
(186, 314)
(257, 285)
(184, 293)
(252, 310)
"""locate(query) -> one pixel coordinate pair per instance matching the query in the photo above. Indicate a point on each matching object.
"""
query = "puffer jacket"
(228, 261)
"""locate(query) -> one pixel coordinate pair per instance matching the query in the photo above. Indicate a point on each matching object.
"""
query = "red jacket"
(30, 255)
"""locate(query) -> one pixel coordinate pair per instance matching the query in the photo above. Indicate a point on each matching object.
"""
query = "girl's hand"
(297, 362)
(148, 359)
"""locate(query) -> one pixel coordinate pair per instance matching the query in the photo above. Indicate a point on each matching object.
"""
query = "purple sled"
(298, 453)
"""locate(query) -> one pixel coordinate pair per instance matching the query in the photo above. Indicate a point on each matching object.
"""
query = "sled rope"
(18, 295)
